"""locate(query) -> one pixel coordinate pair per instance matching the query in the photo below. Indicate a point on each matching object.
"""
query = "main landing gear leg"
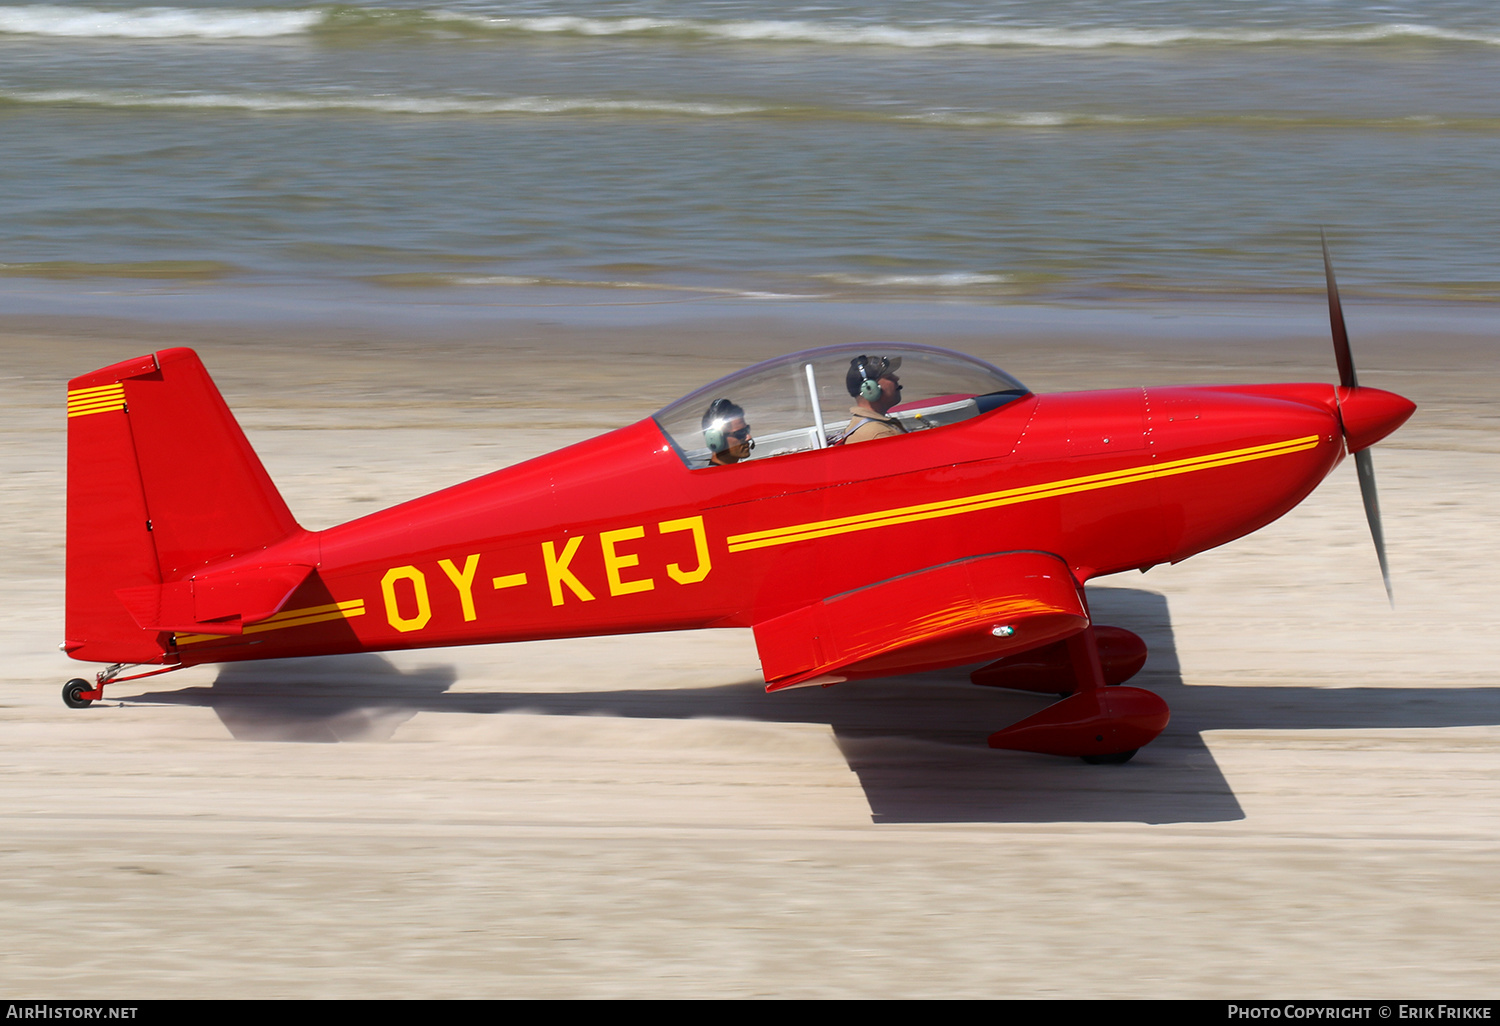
(1095, 723)
(1049, 670)
(78, 694)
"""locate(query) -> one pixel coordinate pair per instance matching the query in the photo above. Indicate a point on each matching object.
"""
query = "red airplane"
(867, 511)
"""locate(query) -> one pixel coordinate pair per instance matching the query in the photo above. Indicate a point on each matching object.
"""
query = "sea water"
(1003, 151)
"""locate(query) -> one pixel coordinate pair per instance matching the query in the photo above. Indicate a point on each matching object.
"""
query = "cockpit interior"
(810, 400)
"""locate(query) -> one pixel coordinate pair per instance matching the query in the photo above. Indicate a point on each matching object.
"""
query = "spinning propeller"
(1357, 409)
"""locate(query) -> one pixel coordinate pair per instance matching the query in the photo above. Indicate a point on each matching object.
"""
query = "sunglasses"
(740, 435)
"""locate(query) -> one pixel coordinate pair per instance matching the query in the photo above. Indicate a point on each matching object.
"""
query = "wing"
(962, 612)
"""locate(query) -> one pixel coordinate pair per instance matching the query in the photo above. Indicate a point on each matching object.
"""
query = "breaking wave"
(431, 279)
(543, 106)
(156, 22)
(946, 280)
(294, 104)
(333, 22)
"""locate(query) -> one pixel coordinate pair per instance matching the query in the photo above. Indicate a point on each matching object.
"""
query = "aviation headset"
(720, 413)
(867, 387)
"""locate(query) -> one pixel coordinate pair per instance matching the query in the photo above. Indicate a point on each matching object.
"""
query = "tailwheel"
(80, 694)
(73, 693)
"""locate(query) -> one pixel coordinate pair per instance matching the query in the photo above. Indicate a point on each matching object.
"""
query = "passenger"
(873, 383)
(726, 434)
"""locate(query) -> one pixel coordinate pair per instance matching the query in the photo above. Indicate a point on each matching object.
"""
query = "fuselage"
(619, 534)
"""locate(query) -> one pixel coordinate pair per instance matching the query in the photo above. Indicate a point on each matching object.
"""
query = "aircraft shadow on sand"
(917, 743)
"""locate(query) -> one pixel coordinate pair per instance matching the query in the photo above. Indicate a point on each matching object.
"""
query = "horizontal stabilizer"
(961, 612)
(221, 603)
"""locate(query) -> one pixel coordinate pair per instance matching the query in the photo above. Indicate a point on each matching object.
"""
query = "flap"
(221, 603)
(961, 612)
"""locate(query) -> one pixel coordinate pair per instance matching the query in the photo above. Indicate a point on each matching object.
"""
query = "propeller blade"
(1363, 462)
(1366, 467)
(1336, 319)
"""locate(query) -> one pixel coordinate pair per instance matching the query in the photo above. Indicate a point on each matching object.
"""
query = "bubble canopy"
(801, 402)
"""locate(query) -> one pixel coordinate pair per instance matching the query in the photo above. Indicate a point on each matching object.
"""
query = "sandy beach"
(634, 817)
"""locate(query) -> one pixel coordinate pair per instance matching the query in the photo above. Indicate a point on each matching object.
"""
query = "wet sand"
(634, 817)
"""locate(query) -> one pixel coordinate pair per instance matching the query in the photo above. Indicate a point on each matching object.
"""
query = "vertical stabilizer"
(161, 481)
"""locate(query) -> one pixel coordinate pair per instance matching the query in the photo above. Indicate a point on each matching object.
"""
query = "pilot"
(873, 383)
(726, 434)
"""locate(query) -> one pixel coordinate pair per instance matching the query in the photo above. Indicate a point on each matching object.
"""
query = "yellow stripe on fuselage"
(288, 618)
(990, 500)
